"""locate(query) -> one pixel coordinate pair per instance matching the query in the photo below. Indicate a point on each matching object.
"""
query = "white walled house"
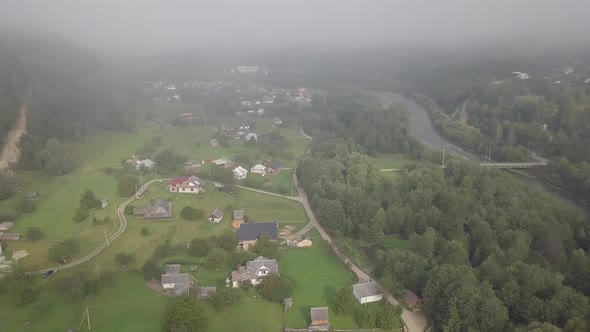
(240, 173)
(367, 292)
(186, 184)
(254, 271)
(258, 169)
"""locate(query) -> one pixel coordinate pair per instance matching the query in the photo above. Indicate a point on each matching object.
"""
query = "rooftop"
(410, 296)
(172, 268)
(181, 278)
(239, 214)
(253, 230)
(319, 314)
(367, 288)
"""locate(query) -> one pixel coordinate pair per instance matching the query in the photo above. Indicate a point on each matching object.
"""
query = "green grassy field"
(318, 273)
(261, 207)
(123, 304)
(279, 183)
(398, 161)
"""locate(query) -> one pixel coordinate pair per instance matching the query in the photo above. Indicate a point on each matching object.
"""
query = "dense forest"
(360, 120)
(488, 107)
(486, 253)
(73, 91)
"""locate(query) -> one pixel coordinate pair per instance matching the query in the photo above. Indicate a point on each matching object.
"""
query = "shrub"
(124, 258)
(34, 234)
(275, 288)
(200, 247)
(24, 206)
(129, 209)
(145, 231)
(64, 250)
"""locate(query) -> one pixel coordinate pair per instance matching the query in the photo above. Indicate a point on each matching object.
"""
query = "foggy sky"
(155, 26)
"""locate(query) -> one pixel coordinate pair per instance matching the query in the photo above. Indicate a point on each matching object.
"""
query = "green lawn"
(261, 207)
(123, 304)
(398, 161)
(318, 274)
(279, 183)
(250, 315)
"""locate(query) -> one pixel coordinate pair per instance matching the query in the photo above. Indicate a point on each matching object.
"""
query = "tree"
(344, 300)
(24, 206)
(124, 258)
(56, 158)
(365, 317)
(190, 213)
(129, 209)
(185, 314)
(64, 250)
(225, 296)
(34, 234)
(150, 269)
(388, 317)
(266, 247)
(216, 258)
(88, 200)
(127, 186)
(81, 215)
(378, 223)
(275, 288)
(200, 247)
(20, 287)
(228, 240)
(7, 186)
(145, 231)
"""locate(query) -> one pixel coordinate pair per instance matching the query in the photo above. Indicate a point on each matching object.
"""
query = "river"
(420, 127)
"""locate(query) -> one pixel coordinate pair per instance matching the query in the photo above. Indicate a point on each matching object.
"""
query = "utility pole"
(140, 177)
(156, 174)
(87, 316)
(444, 151)
(97, 272)
(106, 237)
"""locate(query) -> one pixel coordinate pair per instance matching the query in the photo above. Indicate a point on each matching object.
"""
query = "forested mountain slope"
(73, 91)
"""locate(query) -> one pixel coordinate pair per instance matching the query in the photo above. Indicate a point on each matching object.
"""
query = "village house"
(158, 210)
(215, 216)
(214, 143)
(267, 100)
(9, 236)
(274, 168)
(173, 280)
(251, 136)
(4, 226)
(253, 272)
(222, 162)
(186, 184)
(412, 301)
(260, 112)
(249, 233)
(238, 219)
(277, 122)
(367, 292)
(258, 169)
(240, 173)
(319, 319)
(145, 164)
(104, 203)
(191, 166)
(203, 293)
(33, 196)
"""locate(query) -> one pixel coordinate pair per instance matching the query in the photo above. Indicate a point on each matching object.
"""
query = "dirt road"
(11, 151)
